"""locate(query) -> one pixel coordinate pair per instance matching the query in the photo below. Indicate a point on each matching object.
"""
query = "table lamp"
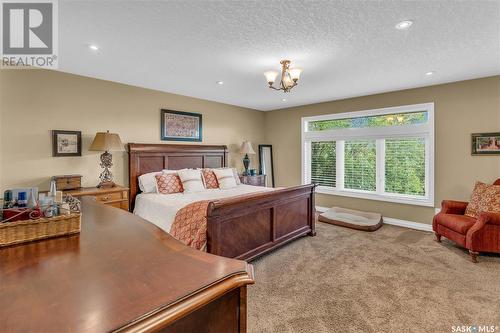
(106, 142)
(246, 148)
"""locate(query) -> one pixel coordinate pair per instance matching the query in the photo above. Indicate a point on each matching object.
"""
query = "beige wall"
(461, 108)
(34, 102)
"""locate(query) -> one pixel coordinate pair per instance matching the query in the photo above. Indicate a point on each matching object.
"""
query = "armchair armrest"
(453, 207)
(475, 233)
(490, 218)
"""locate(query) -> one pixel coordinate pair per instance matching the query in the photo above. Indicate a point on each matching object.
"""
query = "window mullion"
(306, 176)
(427, 166)
(340, 164)
(380, 166)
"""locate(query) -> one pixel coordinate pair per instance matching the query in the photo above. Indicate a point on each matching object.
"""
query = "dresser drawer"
(113, 196)
(119, 204)
(116, 196)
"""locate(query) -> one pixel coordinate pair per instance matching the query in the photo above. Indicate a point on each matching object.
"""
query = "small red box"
(22, 214)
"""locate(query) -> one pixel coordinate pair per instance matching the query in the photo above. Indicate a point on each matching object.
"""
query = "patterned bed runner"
(190, 224)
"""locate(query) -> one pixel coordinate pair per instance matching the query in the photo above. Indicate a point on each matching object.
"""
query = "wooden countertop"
(121, 273)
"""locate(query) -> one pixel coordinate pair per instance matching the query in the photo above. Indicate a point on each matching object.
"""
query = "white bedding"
(160, 209)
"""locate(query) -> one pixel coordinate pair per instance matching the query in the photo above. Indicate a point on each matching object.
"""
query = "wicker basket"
(29, 230)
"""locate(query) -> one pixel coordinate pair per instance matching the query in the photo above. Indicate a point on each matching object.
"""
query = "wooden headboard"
(144, 158)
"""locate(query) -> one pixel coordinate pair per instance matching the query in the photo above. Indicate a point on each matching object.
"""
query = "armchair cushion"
(485, 198)
(457, 223)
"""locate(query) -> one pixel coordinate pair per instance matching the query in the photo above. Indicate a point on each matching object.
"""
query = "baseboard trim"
(396, 222)
(408, 224)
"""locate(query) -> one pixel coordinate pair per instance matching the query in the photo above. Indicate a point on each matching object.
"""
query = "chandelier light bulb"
(270, 76)
(295, 73)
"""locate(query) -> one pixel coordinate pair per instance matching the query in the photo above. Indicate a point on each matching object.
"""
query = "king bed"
(243, 223)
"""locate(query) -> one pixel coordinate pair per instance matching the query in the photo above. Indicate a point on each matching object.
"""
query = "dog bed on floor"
(354, 219)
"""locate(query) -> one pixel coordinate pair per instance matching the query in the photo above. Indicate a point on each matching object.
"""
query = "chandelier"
(289, 77)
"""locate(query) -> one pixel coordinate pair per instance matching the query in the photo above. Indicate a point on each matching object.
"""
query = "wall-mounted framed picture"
(66, 143)
(180, 126)
(486, 143)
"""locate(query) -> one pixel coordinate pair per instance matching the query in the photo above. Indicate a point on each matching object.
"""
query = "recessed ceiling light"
(93, 47)
(403, 25)
(431, 73)
(283, 99)
(220, 83)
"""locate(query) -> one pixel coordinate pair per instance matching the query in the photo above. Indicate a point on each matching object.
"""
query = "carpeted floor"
(391, 280)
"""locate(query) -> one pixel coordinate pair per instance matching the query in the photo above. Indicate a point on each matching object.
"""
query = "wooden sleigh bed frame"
(238, 227)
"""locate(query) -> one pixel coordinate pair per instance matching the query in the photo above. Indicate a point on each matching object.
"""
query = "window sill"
(426, 202)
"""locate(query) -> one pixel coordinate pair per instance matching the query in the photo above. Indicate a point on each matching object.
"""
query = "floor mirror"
(266, 163)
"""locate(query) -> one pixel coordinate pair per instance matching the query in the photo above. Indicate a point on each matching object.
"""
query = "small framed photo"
(66, 143)
(180, 126)
(486, 143)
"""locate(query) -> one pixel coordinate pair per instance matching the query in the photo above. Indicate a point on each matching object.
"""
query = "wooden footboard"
(247, 227)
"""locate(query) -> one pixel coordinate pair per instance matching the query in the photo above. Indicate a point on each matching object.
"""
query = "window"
(408, 118)
(405, 166)
(323, 157)
(382, 154)
(360, 165)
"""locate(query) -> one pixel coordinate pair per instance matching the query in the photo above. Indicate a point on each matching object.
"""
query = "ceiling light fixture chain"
(289, 77)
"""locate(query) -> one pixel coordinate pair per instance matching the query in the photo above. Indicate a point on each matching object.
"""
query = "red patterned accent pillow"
(168, 183)
(485, 198)
(209, 178)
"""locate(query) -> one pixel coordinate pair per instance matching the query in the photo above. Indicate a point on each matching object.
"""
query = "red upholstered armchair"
(476, 235)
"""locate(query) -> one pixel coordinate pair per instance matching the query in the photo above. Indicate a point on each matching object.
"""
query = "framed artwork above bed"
(180, 126)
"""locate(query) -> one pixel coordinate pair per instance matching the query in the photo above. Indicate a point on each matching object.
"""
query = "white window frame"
(380, 134)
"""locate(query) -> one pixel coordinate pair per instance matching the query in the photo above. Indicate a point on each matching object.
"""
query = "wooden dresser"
(256, 180)
(117, 196)
(120, 274)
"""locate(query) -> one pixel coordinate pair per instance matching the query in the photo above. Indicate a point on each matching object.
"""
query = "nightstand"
(113, 196)
(257, 180)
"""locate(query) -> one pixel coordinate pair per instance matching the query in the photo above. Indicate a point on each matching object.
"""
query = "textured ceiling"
(346, 48)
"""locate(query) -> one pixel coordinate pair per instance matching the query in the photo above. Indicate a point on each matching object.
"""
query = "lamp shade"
(271, 76)
(105, 141)
(246, 148)
(295, 73)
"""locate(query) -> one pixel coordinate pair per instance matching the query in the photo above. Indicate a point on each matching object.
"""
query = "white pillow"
(147, 181)
(235, 173)
(191, 180)
(225, 178)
